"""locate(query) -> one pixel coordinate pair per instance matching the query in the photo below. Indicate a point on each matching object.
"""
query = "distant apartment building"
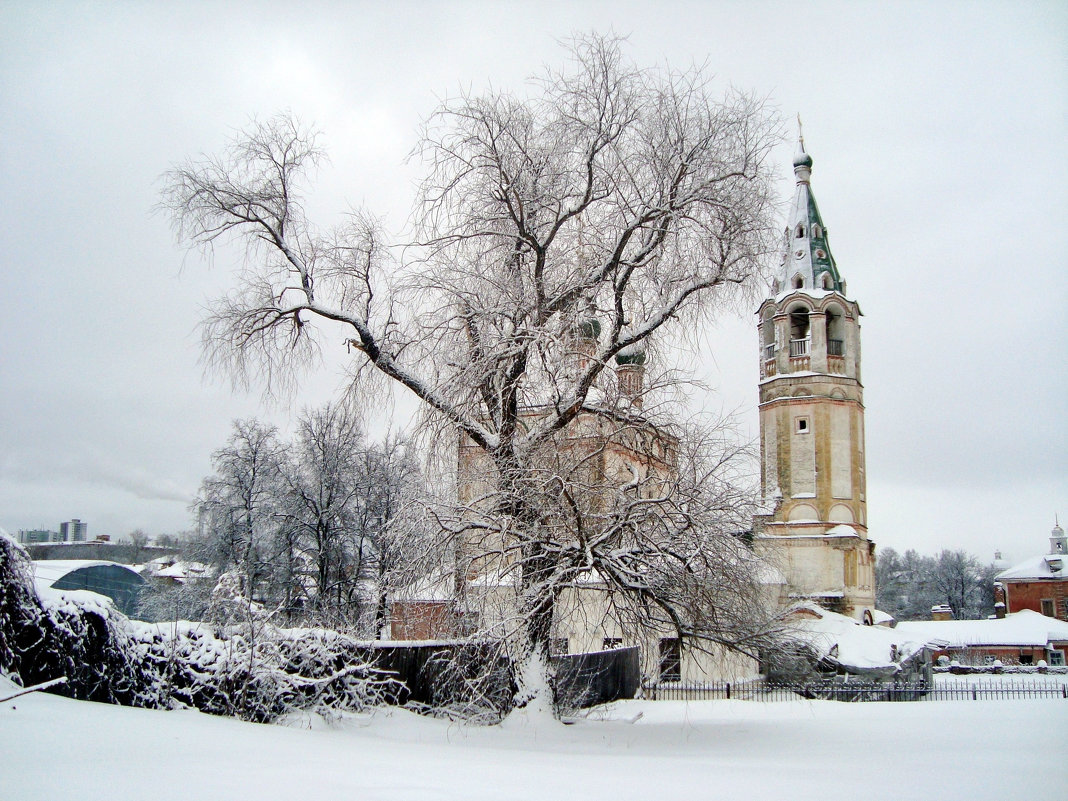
(37, 535)
(73, 531)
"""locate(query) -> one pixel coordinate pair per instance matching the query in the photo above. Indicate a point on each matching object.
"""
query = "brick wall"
(1029, 595)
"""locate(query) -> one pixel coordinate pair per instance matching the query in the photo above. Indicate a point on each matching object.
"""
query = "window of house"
(612, 642)
(1026, 659)
(1056, 658)
(670, 659)
(1048, 607)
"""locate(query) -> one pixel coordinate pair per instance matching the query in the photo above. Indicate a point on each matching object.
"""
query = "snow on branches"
(251, 670)
(558, 236)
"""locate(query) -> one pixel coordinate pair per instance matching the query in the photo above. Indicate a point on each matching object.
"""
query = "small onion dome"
(631, 356)
(802, 159)
(589, 328)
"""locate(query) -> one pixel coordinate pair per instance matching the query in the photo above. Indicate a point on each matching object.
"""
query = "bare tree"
(138, 538)
(957, 579)
(237, 505)
(583, 224)
(322, 485)
(910, 585)
(401, 543)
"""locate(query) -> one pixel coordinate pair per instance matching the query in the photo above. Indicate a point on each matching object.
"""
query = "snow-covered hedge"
(74, 634)
(249, 669)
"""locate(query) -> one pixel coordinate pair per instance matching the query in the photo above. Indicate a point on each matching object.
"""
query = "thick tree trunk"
(539, 602)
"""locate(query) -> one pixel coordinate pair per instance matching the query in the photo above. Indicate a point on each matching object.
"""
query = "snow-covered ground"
(53, 748)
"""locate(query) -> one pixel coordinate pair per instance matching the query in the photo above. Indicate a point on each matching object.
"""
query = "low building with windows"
(37, 535)
(1040, 583)
(1020, 638)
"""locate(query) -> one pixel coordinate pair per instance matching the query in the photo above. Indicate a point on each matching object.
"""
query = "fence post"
(728, 691)
(973, 694)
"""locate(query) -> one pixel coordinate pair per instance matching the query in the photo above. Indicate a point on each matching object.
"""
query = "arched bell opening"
(799, 331)
(835, 331)
(767, 334)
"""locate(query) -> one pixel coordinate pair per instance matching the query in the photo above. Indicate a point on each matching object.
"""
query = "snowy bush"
(74, 634)
(249, 669)
(261, 673)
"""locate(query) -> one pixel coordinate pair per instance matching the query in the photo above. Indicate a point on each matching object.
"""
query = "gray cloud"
(938, 140)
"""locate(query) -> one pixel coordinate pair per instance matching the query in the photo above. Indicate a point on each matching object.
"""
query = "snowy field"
(56, 749)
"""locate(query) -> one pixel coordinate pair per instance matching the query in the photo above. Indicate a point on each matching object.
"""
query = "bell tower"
(812, 420)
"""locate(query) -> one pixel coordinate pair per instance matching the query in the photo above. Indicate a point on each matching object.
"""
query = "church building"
(812, 421)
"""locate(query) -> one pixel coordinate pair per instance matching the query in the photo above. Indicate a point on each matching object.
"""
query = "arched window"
(800, 232)
(799, 331)
(835, 332)
(827, 281)
(798, 281)
(817, 232)
(767, 334)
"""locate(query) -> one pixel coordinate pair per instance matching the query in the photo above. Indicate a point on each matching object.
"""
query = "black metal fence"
(760, 690)
(584, 680)
(472, 678)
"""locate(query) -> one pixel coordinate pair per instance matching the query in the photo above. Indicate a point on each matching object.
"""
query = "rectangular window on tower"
(801, 425)
(850, 569)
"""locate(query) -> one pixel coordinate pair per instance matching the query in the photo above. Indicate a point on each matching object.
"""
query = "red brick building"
(1041, 583)
(425, 610)
(1022, 638)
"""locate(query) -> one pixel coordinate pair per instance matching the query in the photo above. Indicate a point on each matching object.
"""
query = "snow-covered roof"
(881, 618)
(49, 571)
(180, 571)
(1048, 566)
(1024, 628)
(858, 646)
(436, 587)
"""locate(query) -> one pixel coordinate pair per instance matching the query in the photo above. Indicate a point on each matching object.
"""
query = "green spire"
(806, 251)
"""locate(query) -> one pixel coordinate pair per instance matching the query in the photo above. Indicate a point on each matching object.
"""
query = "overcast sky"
(938, 131)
